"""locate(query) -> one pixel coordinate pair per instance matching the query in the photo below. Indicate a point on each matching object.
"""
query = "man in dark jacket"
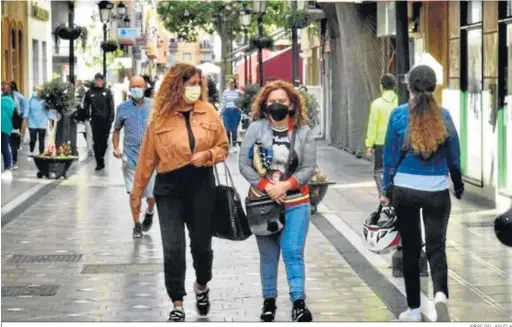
(99, 105)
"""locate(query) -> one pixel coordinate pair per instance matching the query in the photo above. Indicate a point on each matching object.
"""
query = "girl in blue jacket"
(421, 153)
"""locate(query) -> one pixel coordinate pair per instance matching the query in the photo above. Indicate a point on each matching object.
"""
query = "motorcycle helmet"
(382, 236)
(503, 228)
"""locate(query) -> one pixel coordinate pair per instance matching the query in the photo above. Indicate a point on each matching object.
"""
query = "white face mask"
(192, 94)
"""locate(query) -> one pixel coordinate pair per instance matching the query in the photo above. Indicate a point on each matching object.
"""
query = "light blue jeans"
(291, 242)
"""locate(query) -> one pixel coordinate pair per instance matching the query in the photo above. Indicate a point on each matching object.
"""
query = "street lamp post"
(105, 8)
(245, 21)
(259, 8)
(295, 50)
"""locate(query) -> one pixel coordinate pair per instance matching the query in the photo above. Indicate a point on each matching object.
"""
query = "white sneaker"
(441, 304)
(15, 167)
(7, 176)
(411, 315)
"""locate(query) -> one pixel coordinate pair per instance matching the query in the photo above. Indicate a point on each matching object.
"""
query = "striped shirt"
(229, 97)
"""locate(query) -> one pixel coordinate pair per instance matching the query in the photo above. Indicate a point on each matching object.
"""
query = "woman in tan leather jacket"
(184, 140)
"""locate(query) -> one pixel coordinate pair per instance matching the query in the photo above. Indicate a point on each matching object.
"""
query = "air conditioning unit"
(386, 19)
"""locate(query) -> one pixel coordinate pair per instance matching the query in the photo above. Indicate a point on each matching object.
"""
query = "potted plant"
(299, 18)
(312, 107)
(109, 46)
(317, 189)
(59, 99)
(263, 42)
(244, 102)
(69, 33)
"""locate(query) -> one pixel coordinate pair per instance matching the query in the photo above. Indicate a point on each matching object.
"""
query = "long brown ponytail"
(427, 129)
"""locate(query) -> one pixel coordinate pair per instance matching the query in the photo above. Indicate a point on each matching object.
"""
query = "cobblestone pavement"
(112, 277)
(480, 268)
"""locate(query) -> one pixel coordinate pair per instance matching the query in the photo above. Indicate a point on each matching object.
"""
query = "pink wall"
(240, 67)
(274, 66)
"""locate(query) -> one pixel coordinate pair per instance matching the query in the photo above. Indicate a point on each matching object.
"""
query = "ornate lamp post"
(245, 22)
(105, 8)
(259, 8)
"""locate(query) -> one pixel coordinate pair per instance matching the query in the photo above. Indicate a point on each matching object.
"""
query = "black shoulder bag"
(230, 219)
(266, 216)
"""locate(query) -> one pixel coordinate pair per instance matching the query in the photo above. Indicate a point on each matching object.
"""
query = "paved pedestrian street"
(70, 257)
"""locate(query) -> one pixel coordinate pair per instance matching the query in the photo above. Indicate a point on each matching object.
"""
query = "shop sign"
(40, 13)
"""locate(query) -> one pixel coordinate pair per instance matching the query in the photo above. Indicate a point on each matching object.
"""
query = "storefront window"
(472, 85)
(45, 62)
(509, 8)
(19, 77)
(14, 56)
(474, 12)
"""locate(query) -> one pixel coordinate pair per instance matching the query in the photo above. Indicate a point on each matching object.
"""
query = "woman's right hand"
(278, 199)
(135, 204)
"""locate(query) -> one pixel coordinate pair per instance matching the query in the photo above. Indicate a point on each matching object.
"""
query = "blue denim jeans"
(291, 242)
(232, 118)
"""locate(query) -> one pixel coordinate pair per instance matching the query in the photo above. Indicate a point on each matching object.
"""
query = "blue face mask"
(137, 93)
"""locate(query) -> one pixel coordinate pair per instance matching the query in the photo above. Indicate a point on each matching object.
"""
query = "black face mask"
(278, 111)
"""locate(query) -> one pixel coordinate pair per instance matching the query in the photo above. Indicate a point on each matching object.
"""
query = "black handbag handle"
(290, 155)
(228, 175)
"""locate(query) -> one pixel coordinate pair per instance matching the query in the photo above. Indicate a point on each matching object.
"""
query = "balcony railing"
(205, 47)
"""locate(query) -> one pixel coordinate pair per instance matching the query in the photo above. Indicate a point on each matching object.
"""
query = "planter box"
(317, 191)
(53, 167)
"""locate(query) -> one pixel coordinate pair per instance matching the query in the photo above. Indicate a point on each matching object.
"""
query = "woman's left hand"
(201, 158)
(278, 189)
(384, 200)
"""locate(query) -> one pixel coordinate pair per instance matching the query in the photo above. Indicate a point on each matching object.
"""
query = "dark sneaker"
(177, 315)
(137, 231)
(202, 301)
(300, 312)
(268, 312)
(148, 221)
(100, 167)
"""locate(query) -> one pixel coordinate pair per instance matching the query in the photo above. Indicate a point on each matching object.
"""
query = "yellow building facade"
(14, 42)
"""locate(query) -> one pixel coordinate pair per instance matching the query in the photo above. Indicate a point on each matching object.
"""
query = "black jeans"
(378, 167)
(15, 145)
(436, 207)
(186, 197)
(35, 134)
(100, 133)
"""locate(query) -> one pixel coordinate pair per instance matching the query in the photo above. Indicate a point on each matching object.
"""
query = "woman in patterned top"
(278, 112)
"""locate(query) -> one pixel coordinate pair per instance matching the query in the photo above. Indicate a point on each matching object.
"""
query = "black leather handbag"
(266, 216)
(230, 219)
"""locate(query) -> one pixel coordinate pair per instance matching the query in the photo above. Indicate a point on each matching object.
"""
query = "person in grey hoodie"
(280, 126)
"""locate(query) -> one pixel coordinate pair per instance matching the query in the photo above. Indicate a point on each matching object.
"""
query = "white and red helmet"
(382, 237)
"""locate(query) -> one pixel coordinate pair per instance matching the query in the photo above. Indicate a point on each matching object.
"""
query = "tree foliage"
(93, 54)
(58, 95)
(188, 18)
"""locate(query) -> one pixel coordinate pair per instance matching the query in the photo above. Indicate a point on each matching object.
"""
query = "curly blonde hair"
(297, 101)
(170, 95)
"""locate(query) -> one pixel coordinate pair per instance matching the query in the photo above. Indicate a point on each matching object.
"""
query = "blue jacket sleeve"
(391, 154)
(453, 153)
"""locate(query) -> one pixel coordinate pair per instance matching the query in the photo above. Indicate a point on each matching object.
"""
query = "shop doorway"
(505, 99)
(472, 86)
